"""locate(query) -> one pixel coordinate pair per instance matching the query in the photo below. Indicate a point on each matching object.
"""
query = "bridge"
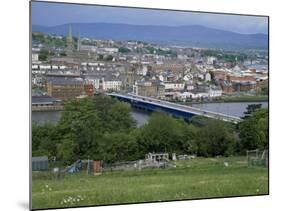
(177, 110)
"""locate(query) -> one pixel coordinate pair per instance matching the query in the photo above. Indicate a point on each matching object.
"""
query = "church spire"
(69, 41)
(79, 42)
(70, 32)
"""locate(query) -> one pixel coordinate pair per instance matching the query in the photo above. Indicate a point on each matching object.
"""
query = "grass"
(245, 98)
(191, 179)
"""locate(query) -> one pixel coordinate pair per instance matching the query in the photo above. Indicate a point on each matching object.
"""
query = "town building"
(45, 102)
(111, 84)
(89, 89)
(149, 89)
(95, 82)
(35, 56)
(244, 86)
(65, 88)
(177, 86)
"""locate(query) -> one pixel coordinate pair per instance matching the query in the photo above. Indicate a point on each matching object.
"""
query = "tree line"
(102, 128)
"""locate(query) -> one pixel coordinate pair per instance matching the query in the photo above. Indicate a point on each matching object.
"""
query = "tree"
(85, 121)
(44, 140)
(200, 121)
(164, 134)
(123, 49)
(108, 58)
(251, 108)
(43, 54)
(100, 57)
(253, 131)
(215, 139)
(62, 54)
(212, 75)
(66, 150)
(189, 143)
(119, 146)
(264, 90)
(120, 116)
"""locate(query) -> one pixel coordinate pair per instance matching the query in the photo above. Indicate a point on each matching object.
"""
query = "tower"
(79, 42)
(69, 41)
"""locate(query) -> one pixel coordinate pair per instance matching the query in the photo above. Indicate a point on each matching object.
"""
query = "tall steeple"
(79, 42)
(69, 41)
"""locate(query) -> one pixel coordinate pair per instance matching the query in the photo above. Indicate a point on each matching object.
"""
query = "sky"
(51, 14)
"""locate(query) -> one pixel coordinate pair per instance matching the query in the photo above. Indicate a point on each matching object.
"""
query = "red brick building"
(89, 89)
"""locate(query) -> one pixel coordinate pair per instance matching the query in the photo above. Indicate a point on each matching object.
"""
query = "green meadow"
(190, 179)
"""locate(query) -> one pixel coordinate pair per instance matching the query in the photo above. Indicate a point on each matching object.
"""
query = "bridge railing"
(185, 108)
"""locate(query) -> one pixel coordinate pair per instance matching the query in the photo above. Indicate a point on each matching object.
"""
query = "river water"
(141, 117)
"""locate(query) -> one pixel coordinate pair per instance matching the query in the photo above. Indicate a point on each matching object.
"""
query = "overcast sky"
(51, 14)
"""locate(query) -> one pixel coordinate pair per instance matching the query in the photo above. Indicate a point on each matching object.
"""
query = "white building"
(35, 57)
(189, 87)
(111, 85)
(142, 71)
(88, 48)
(211, 59)
(45, 67)
(207, 77)
(110, 50)
(174, 85)
(95, 82)
(188, 77)
(193, 95)
(215, 92)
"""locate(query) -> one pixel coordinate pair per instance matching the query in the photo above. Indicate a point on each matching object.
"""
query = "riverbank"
(231, 99)
(245, 98)
(47, 108)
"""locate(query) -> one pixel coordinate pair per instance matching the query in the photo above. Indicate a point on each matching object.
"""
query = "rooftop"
(65, 80)
(44, 99)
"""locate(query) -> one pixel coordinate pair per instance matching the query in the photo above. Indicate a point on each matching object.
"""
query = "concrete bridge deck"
(175, 109)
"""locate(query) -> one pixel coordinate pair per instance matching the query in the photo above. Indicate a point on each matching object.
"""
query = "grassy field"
(191, 179)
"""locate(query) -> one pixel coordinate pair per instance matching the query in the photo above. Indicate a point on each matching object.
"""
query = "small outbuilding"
(40, 163)
(155, 157)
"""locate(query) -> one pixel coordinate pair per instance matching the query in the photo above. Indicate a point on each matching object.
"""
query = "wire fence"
(257, 157)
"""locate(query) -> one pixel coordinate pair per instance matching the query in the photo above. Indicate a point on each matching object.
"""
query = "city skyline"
(75, 13)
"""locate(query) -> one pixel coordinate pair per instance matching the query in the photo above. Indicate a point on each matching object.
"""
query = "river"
(141, 117)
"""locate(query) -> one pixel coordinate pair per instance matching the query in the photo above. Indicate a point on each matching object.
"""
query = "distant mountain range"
(191, 36)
